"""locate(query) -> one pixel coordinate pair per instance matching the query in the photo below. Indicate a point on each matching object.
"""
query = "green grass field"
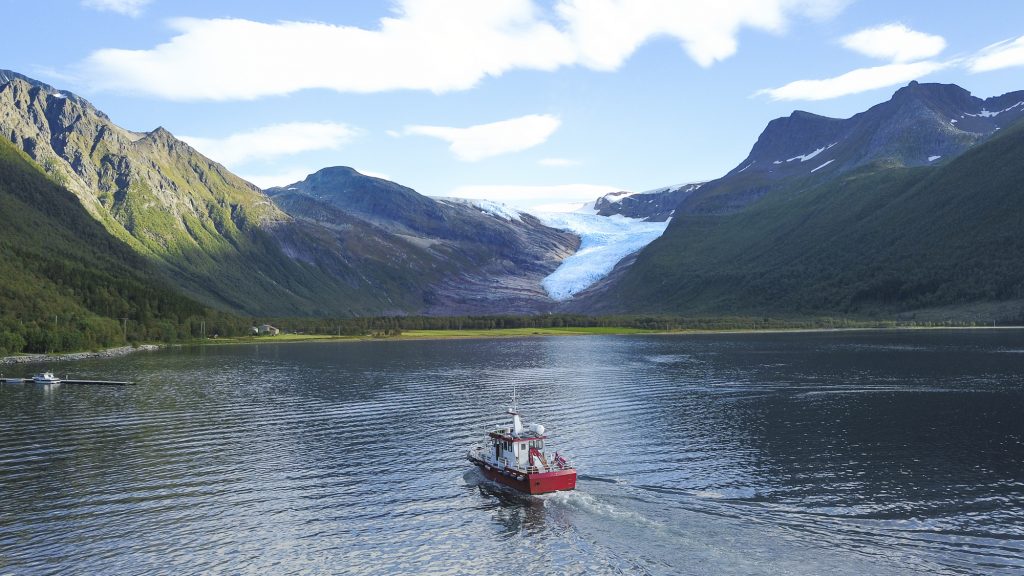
(433, 334)
(513, 332)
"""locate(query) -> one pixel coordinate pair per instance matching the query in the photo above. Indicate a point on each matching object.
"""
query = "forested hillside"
(68, 284)
(876, 241)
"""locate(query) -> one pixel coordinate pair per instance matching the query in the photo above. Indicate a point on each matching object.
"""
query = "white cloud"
(428, 45)
(606, 32)
(434, 45)
(853, 82)
(486, 140)
(558, 162)
(894, 42)
(273, 141)
(131, 8)
(1005, 54)
(535, 198)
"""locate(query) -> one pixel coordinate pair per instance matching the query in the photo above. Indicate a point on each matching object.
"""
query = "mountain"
(210, 233)
(67, 283)
(652, 206)
(354, 246)
(922, 124)
(913, 207)
(476, 257)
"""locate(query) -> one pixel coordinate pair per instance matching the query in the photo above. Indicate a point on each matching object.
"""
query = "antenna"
(514, 408)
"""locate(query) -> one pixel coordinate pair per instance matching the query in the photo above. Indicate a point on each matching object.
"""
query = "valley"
(911, 210)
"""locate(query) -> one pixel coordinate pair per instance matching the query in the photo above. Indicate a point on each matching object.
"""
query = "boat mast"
(517, 424)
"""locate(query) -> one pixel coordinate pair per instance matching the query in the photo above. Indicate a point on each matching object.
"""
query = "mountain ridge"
(356, 245)
(880, 238)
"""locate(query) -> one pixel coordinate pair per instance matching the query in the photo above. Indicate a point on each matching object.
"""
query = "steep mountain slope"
(922, 124)
(212, 234)
(878, 238)
(65, 283)
(356, 246)
(473, 261)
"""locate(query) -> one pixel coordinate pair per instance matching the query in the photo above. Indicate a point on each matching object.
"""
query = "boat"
(45, 378)
(514, 456)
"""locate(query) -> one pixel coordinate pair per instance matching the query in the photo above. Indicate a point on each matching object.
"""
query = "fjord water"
(843, 453)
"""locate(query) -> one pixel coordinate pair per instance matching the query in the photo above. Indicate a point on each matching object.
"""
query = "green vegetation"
(880, 242)
(569, 323)
(66, 284)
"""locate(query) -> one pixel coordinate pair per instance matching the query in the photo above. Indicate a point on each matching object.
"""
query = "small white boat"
(45, 378)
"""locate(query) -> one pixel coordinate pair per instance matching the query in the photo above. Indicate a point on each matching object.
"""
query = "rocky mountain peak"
(9, 76)
(790, 136)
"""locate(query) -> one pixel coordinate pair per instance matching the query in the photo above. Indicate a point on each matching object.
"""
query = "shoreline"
(469, 334)
(73, 356)
(499, 333)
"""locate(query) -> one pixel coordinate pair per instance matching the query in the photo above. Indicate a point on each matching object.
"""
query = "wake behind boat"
(514, 455)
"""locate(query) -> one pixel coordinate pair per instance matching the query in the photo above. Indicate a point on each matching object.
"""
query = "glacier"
(604, 241)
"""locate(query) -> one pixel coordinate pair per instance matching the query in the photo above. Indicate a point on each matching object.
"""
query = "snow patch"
(59, 95)
(616, 197)
(823, 165)
(809, 155)
(747, 166)
(496, 209)
(952, 120)
(689, 186)
(933, 158)
(987, 114)
(604, 241)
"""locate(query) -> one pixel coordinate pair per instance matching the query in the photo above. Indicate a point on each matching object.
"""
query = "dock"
(98, 382)
(69, 381)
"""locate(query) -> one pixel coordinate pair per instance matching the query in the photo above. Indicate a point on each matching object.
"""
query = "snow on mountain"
(605, 240)
(496, 209)
(823, 165)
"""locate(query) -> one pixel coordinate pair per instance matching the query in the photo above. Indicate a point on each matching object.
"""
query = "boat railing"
(559, 462)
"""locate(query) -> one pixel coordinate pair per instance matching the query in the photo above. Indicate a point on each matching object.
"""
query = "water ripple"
(875, 453)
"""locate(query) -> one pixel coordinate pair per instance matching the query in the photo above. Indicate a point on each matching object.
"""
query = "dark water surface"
(835, 453)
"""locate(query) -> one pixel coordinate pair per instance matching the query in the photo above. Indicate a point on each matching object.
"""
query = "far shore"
(494, 333)
(72, 356)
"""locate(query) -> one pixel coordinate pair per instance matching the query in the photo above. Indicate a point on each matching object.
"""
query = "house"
(264, 329)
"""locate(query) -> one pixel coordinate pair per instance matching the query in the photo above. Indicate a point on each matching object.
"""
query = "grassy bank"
(560, 331)
(436, 335)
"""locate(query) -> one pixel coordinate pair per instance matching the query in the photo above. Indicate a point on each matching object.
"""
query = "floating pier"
(98, 382)
(68, 381)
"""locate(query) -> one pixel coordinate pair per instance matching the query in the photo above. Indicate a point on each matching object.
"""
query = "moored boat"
(45, 378)
(514, 456)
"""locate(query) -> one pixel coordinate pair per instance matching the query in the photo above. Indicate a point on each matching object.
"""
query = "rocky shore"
(108, 353)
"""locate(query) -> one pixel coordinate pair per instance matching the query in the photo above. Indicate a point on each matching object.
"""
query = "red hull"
(538, 483)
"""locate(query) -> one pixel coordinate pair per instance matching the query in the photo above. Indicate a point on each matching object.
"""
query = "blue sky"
(523, 102)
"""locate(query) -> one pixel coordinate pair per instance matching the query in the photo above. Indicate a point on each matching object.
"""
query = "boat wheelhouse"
(515, 456)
